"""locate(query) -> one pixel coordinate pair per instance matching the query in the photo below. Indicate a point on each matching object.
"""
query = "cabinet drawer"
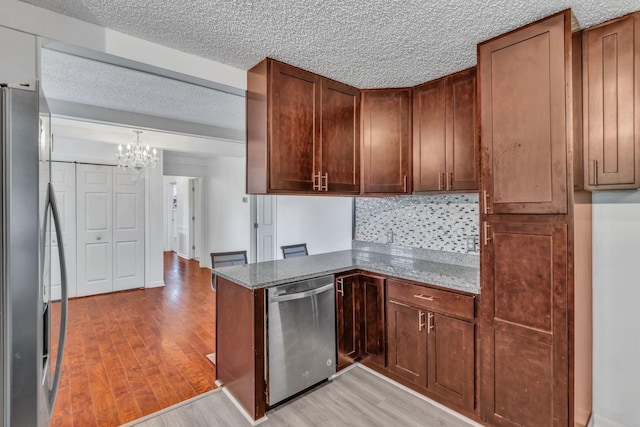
(431, 299)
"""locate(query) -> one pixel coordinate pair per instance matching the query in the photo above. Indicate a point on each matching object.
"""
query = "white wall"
(226, 222)
(323, 223)
(229, 209)
(34, 20)
(616, 294)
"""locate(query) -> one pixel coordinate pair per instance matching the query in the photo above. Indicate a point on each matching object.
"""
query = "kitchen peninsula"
(431, 294)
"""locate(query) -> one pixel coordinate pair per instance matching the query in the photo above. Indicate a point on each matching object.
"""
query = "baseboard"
(242, 410)
(599, 421)
(154, 284)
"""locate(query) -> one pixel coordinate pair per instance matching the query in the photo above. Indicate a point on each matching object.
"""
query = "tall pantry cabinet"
(531, 222)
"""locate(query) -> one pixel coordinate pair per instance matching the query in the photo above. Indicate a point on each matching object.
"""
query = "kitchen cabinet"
(524, 113)
(386, 141)
(19, 57)
(445, 141)
(360, 319)
(534, 314)
(431, 339)
(611, 92)
(348, 325)
(303, 132)
(407, 338)
(524, 340)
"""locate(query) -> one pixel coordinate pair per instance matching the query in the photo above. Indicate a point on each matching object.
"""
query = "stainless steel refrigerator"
(33, 328)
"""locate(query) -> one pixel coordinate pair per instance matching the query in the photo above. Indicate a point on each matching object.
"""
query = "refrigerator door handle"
(51, 196)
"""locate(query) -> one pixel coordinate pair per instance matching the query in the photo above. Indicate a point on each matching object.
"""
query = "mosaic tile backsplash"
(437, 222)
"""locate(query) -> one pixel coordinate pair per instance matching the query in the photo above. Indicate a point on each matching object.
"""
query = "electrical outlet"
(471, 243)
(390, 236)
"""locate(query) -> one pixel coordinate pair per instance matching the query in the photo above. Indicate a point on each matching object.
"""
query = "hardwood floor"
(132, 353)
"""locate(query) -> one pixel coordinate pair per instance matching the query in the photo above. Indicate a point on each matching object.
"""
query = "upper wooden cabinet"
(611, 93)
(524, 87)
(303, 133)
(445, 143)
(386, 141)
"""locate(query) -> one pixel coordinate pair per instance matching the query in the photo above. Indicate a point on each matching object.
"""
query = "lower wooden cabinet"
(360, 319)
(407, 337)
(429, 346)
(450, 359)
(348, 326)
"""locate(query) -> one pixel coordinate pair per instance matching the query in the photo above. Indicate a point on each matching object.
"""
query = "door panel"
(347, 320)
(522, 78)
(429, 136)
(372, 319)
(407, 342)
(386, 141)
(94, 230)
(610, 97)
(266, 218)
(128, 231)
(451, 359)
(63, 178)
(340, 130)
(524, 314)
(294, 133)
(461, 132)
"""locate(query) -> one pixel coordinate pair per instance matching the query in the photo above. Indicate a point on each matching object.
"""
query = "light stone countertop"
(271, 273)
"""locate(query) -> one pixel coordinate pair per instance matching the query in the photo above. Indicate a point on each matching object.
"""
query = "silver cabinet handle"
(430, 323)
(51, 201)
(324, 177)
(304, 294)
(404, 184)
(421, 320)
(340, 284)
(424, 297)
(316, 187)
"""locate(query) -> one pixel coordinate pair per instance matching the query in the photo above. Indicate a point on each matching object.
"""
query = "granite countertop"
(271, 273)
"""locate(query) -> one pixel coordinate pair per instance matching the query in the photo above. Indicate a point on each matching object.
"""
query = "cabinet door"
(429, 137)
(523, 108)
(611, 62)
(524, 325)
(451, 369)
(294, 118)
(372, 341)
(407, 342)
(339, 159)
(386, 136)
(461, 136)
(348, 324)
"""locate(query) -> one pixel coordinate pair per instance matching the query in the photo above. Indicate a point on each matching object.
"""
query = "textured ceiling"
(84, 81)
(366, 43)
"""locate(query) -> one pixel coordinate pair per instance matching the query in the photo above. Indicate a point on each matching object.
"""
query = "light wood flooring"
(356, 398)
(129, 354)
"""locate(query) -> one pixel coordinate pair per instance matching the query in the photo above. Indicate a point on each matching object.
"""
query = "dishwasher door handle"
(301, 295)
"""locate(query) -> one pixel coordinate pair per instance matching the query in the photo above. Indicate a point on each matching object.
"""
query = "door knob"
(98, 237)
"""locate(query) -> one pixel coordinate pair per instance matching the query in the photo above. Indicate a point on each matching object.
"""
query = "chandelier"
(136, 157)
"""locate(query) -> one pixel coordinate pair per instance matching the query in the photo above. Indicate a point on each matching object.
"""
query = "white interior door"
(266, 233)
(63, 178)
(94, 228)
(128, 231)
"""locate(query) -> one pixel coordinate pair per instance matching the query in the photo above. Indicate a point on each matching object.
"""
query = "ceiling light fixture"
(136, 157)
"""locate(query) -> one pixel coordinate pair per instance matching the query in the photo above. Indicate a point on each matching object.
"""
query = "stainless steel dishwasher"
(301, 336)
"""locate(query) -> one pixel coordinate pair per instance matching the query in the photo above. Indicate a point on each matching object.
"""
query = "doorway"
(182, 216)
